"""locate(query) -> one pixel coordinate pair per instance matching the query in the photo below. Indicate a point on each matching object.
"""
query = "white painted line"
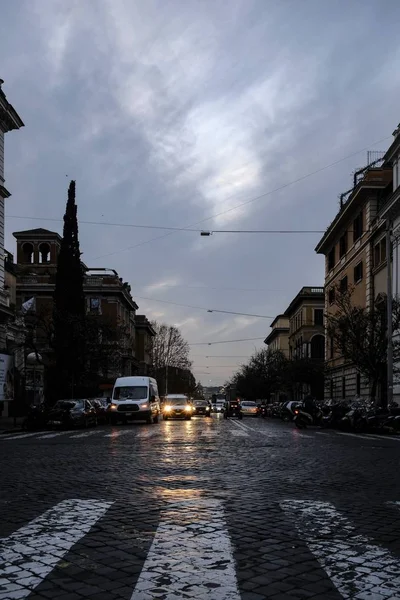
(190, 557)
(30, 554)
(360, 435)
(209, 432)
(147, 433)
(117, 434)
(53, 435)
(238, 424)
(85, 434)
(22, 435)
(357, 567)
(239, 433)
(384, 437)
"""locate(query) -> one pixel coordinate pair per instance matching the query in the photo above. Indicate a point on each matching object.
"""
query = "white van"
(135, 398)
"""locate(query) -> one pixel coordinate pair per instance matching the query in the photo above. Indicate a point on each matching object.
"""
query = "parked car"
(72, 413)
(249, 409)
(202, 407)
(177, 406)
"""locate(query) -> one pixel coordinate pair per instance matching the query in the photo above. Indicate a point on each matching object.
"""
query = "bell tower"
(38, 249)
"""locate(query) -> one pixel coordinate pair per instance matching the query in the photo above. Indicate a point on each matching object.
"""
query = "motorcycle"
(302, 418)
(36, 418)
(333, 414)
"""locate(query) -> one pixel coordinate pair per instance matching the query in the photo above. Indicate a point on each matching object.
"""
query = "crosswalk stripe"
(21, 435)
(85, 434)
(30, 554)
(53, 435)
(148, 433)
(191, 555)
(116, 434)
(239, 433)
(358, 568)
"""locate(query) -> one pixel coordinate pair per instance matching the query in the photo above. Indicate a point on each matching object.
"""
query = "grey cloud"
(168, 113)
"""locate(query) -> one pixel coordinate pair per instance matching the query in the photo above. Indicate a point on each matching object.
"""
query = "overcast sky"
(169, 112)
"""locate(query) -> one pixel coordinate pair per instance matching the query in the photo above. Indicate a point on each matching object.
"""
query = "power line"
(250, 200)
(225, 342)
(166, 228)
(210, 310)
(220, 356)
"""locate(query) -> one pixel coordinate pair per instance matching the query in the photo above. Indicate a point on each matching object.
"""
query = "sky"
(236, 115)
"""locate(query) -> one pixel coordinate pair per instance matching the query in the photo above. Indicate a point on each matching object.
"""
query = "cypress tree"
(69, 307)
(68, 295)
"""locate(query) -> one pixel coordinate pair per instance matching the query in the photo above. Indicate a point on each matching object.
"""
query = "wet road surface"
(207, 508)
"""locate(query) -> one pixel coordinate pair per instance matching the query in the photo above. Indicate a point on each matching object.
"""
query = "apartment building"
(144, 342)
(11, 330)
(278, 339)
(390, 210)
(355, 258)
(105, 292)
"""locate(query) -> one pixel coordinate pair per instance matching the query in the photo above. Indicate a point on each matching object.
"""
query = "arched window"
(318, 347)
(27, 250)
(44, 253)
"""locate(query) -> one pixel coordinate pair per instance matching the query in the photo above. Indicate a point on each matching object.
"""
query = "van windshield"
(130, 393)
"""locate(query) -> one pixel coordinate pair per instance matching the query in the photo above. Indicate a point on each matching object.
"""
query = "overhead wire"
(246, 202)
(225, 342)
(210, 310)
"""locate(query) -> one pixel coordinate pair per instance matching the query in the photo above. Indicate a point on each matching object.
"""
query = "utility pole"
(389, 310)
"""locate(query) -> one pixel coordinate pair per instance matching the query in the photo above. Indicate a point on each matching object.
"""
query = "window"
(358, 272)
(343, 285)
(331, 296)
(331, 347)
(331, 388)
(358, 384)
(380, 252)
(343, 387)
(343, 245)
(94, 304)
(331, 259)
(357, 227)
(318, 316)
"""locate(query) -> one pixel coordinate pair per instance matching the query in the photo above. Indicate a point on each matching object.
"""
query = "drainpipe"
(389, 307)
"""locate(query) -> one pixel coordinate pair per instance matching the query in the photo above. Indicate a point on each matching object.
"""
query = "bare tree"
(169, 352)
(169, 347)
(359, 336)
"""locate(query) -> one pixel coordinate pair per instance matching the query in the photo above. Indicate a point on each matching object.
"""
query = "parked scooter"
(36, 418)
(307, 413)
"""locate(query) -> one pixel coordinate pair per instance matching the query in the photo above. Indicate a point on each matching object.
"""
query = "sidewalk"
(7, 424)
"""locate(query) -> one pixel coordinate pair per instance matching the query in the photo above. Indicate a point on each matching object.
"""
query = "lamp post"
(389, 308)
(34, 359)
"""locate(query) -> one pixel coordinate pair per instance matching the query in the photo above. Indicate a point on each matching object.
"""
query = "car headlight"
(145, 406)
(167, 408)
(188, 408)
(114, 406)
(207, 408)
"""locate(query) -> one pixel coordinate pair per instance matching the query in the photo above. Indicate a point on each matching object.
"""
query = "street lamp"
(34, 359)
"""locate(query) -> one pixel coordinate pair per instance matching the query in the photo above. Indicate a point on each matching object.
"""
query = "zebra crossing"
(192, 553)
(236, 429)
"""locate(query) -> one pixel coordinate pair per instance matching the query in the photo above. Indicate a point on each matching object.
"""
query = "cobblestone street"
(209, 508)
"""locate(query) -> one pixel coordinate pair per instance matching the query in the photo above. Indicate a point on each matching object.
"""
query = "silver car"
(177, 406)
(249, 409)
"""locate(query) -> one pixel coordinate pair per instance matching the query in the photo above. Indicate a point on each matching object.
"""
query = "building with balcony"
(390, 211)
(306, 324)
(11, 329)
(278, 339)
(355, 259)
(144, 343)
(106, 294)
